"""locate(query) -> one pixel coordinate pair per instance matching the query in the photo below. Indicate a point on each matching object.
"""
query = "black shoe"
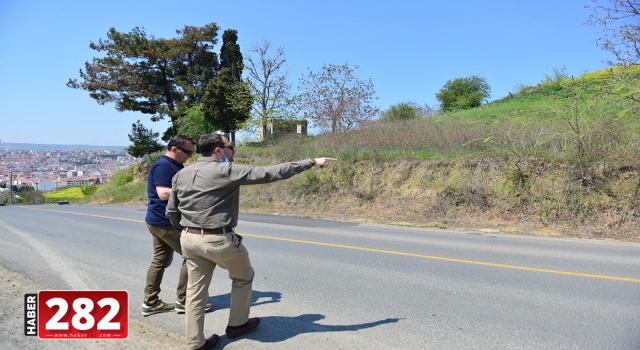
(236, 331)
(210, 343)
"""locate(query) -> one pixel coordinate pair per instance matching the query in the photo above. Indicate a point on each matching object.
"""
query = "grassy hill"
(559, 158)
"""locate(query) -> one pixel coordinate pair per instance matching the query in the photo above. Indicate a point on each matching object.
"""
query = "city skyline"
(47, 169)
(49, 146)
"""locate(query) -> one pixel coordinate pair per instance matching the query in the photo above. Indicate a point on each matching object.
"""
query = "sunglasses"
(186, 151)
(229, 147)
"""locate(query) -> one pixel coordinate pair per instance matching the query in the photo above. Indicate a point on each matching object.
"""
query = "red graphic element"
(88, 314)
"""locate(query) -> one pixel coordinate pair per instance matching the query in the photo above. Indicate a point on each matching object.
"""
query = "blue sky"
(409, 49)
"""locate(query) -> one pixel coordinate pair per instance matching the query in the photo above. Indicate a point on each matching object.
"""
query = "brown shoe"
(210, 343)
(233, 332)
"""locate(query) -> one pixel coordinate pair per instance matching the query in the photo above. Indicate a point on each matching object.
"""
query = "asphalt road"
(336, 285)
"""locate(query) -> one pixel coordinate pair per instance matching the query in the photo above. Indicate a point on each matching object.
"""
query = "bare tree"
(620, 24)
(335, 99)
(619, 21)
(268, 84)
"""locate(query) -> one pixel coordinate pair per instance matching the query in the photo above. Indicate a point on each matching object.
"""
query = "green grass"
(123, 188)
(71, 194)
(553, 123)
(133, 192)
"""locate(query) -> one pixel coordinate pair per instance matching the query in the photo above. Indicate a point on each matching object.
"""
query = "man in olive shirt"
(204, 205)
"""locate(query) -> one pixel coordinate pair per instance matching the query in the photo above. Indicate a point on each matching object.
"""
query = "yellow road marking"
(97, 216)
(430, 257)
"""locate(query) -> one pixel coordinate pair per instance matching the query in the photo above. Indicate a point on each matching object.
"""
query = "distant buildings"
(46, 186)
(46, 170)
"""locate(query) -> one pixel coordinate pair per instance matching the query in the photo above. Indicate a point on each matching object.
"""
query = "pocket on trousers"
(237, 240)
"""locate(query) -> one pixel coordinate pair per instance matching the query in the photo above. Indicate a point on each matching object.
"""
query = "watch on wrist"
(312, 161)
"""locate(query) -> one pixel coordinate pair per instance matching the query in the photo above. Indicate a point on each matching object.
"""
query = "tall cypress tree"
(230, 55)
(227, 102)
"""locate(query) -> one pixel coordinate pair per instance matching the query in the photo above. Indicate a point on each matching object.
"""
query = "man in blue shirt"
(165, 238)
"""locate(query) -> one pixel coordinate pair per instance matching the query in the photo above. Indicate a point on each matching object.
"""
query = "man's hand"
(323, 162)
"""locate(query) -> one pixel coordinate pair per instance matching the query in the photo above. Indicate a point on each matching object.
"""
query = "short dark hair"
(179, 141)
(208, 143)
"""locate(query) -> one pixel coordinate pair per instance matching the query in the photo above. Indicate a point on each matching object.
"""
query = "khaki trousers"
(203, 253)
(166, 241)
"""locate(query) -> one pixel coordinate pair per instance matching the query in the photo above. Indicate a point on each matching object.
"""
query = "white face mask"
(225, 160)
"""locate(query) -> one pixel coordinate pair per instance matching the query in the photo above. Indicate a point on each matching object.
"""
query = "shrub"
(89, 190)
(123, 177)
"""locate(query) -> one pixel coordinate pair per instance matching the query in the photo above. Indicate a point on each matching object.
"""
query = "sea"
(44, 146)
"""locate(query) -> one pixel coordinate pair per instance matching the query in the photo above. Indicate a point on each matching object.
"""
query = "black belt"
(209, 231)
